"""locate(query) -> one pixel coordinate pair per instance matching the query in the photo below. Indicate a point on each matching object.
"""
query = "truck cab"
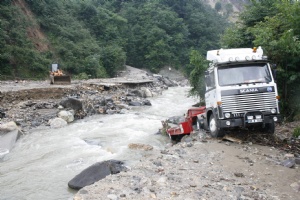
(240, 92)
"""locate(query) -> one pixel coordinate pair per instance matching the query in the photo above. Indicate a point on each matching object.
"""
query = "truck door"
(210, 97)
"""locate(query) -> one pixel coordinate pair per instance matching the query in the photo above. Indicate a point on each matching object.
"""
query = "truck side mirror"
(207, 80)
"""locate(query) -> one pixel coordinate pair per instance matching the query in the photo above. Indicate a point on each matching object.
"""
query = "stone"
(138, 93)
(8, 140)
(147, 92)
(146, 102)
(57, 122)
(135, 103)
(288, 163)
(112, 196)
(296, 186)
(95, 173)
(7, 127)
(237, 174)
(66, 115)
(289, 155)
(72, 103)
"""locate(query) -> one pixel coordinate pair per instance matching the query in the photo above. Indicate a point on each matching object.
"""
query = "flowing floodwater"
(43, 162)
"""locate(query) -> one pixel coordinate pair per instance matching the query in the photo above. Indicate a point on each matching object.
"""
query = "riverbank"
(202, 168)
(32, 104)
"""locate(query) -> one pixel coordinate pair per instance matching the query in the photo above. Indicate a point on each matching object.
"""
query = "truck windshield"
(244, 74)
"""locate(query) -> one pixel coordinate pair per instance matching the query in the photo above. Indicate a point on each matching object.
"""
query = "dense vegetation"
(274, 25)
(95, 38)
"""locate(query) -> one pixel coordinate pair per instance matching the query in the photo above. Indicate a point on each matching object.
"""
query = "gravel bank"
(199, 168)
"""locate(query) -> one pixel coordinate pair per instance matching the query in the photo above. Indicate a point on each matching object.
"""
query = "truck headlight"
(273, 110)
(257, 116)
(249, 117)
(227, 115)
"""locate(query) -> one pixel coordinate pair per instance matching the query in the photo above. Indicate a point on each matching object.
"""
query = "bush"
(296, 132)
(81, 76)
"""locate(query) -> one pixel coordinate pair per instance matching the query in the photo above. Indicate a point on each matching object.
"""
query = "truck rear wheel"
(215, 131)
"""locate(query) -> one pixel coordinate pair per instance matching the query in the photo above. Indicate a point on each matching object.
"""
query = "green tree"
(218, 6)
(197, 75)
(228, 9)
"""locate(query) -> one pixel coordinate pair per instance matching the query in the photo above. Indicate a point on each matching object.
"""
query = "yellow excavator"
(58, 77)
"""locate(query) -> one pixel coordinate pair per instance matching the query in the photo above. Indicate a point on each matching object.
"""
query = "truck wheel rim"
(212, 125)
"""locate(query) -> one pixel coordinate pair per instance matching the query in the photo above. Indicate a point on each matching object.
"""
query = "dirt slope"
(34, 31)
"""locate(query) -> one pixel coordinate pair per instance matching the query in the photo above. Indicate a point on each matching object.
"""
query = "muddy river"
(44, 161)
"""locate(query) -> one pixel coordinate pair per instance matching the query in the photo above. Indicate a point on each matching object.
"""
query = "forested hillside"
(95, 38)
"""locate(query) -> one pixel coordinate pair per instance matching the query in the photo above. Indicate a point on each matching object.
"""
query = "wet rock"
(135, 103)
(57, 123)
(95, 173)
(9, 126)
(8, 140)
(288, 163)
(95, 142)
(66, 115)
(2, 113)
(168, 82)
(72, 103)
(146, 92)
(146, 102)
(138, 93)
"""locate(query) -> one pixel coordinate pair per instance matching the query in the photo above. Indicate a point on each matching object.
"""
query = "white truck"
(240, 92)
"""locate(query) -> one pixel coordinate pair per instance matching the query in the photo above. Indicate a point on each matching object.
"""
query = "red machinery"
(186, 127)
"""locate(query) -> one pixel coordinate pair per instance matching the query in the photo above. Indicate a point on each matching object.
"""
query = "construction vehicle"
(58, 77)
(240, 92)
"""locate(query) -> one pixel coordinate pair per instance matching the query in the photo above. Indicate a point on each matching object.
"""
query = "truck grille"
(249, 102)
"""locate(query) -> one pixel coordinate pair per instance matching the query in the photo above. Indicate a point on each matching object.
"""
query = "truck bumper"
(241, 122)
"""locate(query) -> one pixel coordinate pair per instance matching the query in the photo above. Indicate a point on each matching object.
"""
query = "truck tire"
(269, 128)
(215, 131)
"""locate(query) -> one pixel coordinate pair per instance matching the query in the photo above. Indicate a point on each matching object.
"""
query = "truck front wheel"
(269, 128)
(215, 131)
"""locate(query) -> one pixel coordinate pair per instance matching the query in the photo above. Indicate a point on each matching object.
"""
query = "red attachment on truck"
(186, 127)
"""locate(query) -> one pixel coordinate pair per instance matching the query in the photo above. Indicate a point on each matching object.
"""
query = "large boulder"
(9, 134)
(169, 82)
(68, 116)
(9, 126)
(146, 92)
(95, 173)
(72, 103)
(57, 122)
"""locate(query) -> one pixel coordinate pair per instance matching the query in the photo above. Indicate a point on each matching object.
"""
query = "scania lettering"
(240, 92)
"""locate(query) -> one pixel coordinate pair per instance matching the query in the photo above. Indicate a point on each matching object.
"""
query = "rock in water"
(57, 122)
(95, 173)
(8, 140)
(66, 115)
